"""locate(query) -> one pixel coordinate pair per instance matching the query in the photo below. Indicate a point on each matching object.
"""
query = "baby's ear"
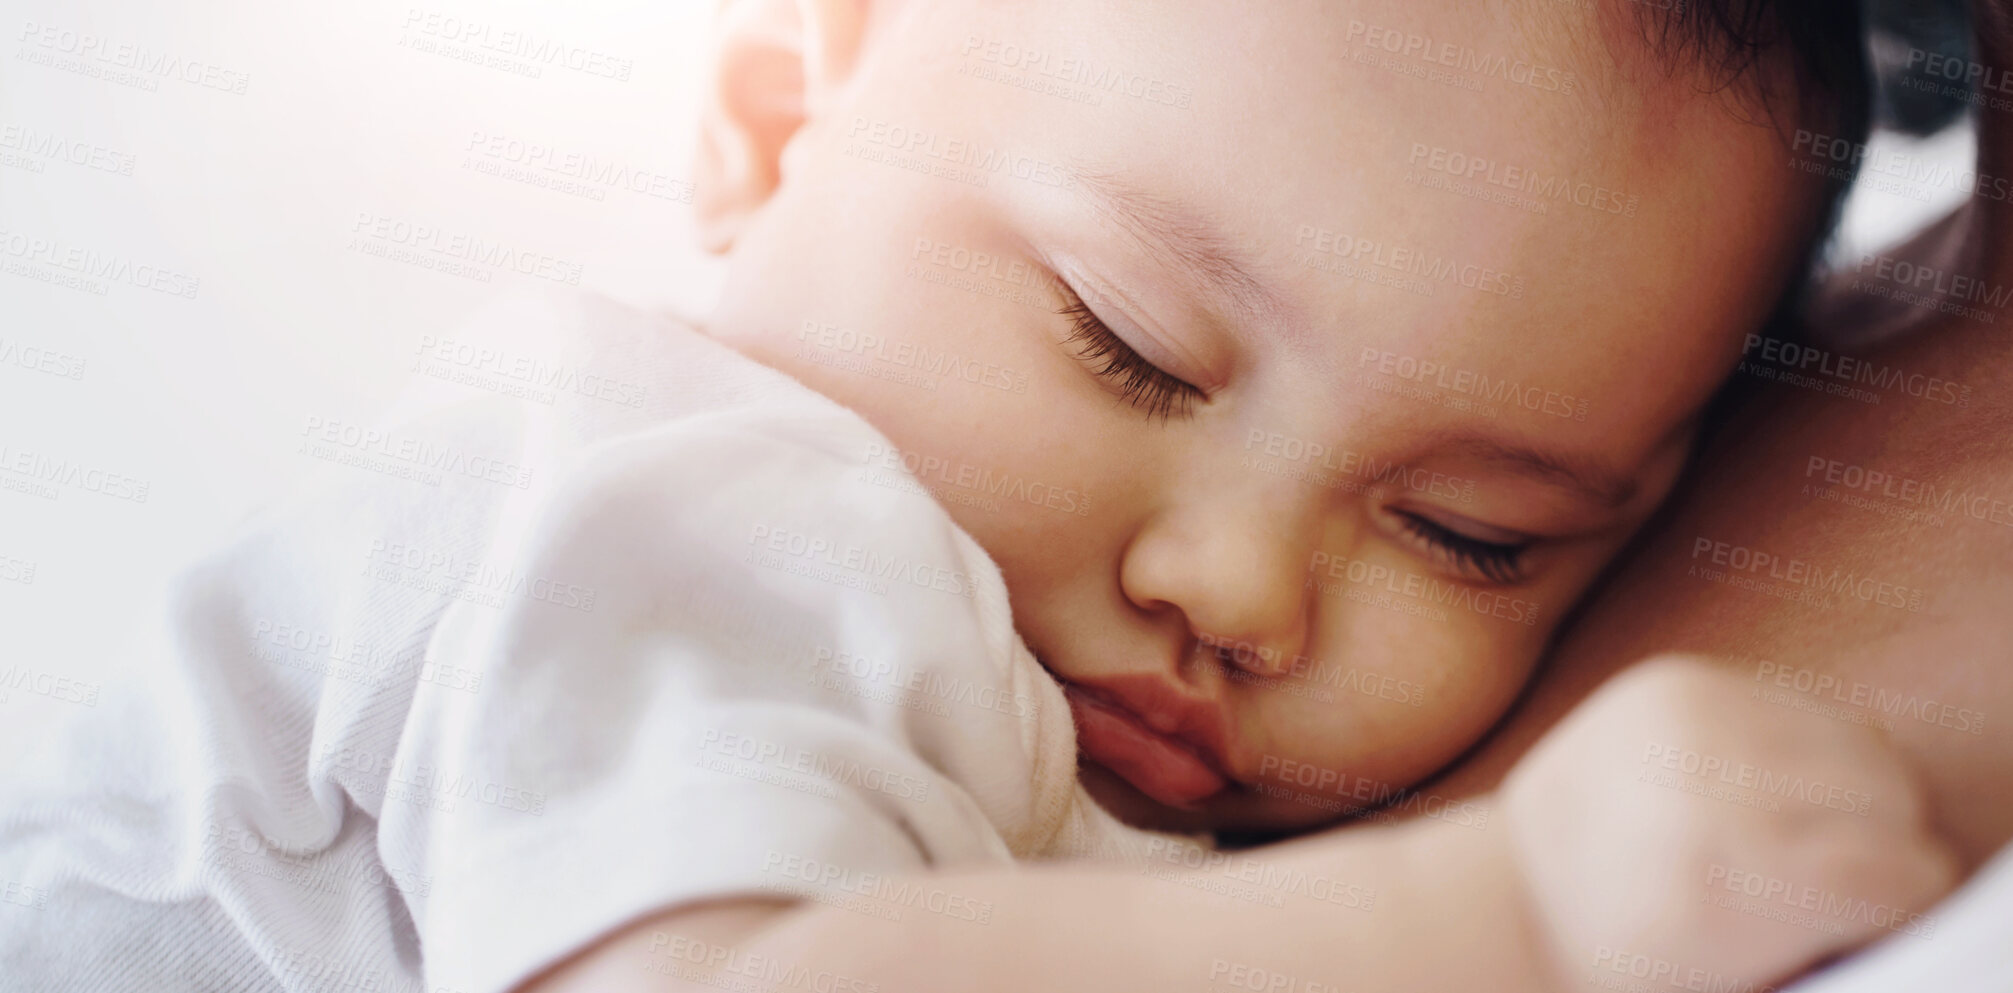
(774, 64)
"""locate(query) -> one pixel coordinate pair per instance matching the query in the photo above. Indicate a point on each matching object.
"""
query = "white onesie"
(663, 625)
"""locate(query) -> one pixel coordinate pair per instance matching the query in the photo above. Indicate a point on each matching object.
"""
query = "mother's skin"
(1756, 488)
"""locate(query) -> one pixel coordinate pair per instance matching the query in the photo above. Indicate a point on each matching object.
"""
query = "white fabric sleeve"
(1962, 945)
(737, 666)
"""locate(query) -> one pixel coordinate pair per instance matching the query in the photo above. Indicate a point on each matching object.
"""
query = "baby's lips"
(1155, 764)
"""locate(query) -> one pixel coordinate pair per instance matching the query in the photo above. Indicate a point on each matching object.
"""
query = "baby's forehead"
(1503, 140)
(1621, 54)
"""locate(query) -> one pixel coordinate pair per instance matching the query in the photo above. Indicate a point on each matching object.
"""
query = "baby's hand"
(1675, 830)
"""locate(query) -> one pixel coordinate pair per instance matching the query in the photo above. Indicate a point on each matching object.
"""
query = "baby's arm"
(1602, 858)
(1448, 914)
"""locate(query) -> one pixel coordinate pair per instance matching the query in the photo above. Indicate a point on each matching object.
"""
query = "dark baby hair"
(1734, 43)
(1730, 41)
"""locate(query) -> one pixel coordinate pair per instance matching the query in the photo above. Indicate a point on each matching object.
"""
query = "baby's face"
(1297, 381)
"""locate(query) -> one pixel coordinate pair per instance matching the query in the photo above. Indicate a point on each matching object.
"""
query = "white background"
(257, 195)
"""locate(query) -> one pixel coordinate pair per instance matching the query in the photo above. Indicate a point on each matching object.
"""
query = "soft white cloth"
(1970, 949)
(529, 666)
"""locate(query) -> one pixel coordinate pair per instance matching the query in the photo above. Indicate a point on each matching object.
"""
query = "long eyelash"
(1140, 383)
(1499, 563)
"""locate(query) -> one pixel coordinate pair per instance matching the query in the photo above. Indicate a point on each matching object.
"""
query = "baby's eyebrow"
(1180, 238)
(1606, 486)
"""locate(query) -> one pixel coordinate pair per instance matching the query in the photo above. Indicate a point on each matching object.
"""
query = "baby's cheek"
(1480, 682)
(1415, 693)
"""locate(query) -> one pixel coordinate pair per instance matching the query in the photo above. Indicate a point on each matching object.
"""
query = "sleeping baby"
(1119, 434)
